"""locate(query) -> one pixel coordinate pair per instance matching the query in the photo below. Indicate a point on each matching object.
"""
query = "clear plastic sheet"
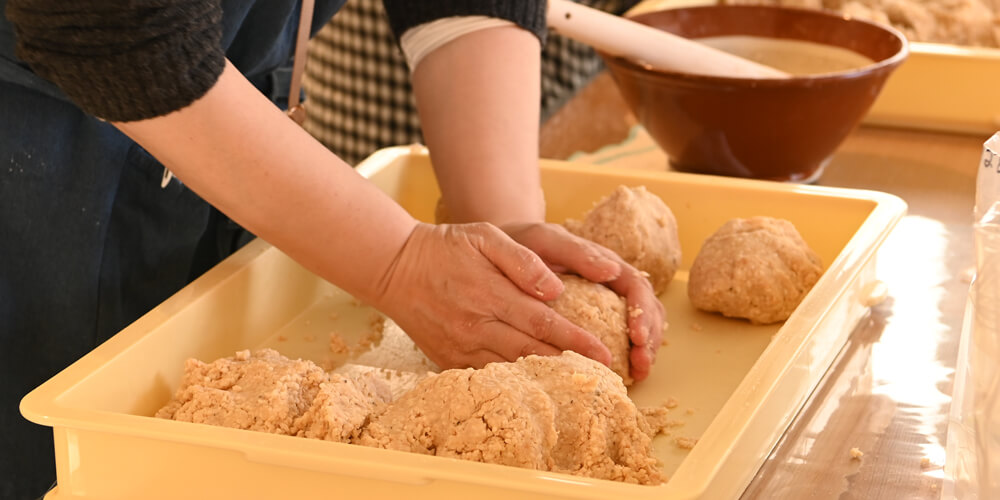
(974, 425)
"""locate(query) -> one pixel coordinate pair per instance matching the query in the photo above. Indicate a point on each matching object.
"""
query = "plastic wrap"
(974, 427)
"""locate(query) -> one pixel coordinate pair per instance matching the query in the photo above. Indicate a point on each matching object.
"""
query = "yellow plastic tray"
(737, 385)
(942, 87)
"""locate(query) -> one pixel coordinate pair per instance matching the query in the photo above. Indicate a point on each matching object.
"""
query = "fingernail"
(547, 283)
(613, 271)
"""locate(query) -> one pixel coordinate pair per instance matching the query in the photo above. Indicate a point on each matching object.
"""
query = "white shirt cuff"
(421, 40)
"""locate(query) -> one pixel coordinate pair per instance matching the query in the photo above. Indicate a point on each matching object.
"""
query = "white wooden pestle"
(647, 45)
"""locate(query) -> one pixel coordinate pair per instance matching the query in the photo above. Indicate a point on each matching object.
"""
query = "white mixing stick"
(647, 45)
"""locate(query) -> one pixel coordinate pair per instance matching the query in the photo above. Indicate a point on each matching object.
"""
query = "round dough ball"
(758, 268)
(491, 415)
(639, 227)
(600, 311)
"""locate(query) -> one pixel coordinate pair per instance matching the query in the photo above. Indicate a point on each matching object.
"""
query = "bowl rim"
(886, 64)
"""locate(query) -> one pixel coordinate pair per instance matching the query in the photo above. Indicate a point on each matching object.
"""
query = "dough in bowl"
(758, 268)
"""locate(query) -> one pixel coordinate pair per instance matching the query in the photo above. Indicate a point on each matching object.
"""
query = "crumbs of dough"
(376, 322)
(856, 454)
(658, 417)
(659, 421)
(685, 443)
(634, 311)
(337, 344)
(372, 337)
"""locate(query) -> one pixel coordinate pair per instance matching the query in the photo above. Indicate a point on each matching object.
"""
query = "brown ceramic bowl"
(779, 129)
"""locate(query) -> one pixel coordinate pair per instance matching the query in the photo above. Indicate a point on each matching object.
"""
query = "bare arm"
(478, 98)
(242, 154)
(467, 294)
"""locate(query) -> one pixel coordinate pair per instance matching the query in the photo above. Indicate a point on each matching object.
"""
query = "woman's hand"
(468, 295)
(478, 97)
(564, 251)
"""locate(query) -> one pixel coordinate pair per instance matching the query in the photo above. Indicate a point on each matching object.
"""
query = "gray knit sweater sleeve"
(405, 14)
(122, 60)
(126, 60)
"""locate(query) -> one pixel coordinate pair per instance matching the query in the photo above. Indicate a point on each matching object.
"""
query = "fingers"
(564, 250)
(646, 334)
(522, 266)
(469, 295)
(640, 362)
(482, 357)
(509, 343)
(546, 326)
(645, 319)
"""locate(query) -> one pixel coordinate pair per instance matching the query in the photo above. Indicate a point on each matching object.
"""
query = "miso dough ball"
(639, 227)
(564, 413)
(600, 311)
(758, 268)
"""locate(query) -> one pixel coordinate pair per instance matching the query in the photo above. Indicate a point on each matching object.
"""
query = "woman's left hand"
(566, 252)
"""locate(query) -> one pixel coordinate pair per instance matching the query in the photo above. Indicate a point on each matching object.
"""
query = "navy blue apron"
(89, 241)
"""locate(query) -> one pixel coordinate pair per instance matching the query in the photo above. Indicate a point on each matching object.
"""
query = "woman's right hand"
(468, 295)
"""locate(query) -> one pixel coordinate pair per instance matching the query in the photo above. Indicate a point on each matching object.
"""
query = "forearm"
(480, 122)
(239, 152)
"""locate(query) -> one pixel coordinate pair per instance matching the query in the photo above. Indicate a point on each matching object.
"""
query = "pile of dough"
(558, 413)
(600, 311)
(342, 407)
(758, 268)
(639, 227)
(268, 392)
(961, 22)
(562, 413)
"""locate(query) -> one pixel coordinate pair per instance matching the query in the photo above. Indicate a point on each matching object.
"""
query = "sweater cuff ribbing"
(406, 14)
